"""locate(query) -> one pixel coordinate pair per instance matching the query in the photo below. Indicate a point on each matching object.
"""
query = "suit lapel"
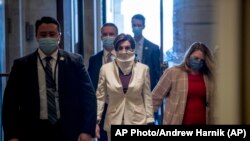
(117, 76)
(99, 61)
(61, 67)
(145, 51)
(32, 68)
(132, 79)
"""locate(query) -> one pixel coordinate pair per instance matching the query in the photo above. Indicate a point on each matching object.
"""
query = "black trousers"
(103, 133)
(42, 130)
(49, 132)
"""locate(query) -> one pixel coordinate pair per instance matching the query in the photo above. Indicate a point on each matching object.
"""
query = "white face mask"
(125, 61)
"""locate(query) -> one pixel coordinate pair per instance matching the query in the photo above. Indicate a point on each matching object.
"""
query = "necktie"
(50, 90)
(109, 59)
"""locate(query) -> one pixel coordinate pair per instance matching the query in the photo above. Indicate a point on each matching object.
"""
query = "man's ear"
(59, 37)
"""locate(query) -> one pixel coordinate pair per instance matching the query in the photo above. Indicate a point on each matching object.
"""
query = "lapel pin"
(61, 58)
(146, 48)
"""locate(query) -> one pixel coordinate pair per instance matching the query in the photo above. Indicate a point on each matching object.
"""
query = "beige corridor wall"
(228, 108)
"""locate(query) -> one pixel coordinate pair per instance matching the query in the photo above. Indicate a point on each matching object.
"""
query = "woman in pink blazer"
(188, 88)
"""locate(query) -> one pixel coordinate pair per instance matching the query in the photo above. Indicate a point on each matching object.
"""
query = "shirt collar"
(105, 53)
(42, 55)
(141, 41)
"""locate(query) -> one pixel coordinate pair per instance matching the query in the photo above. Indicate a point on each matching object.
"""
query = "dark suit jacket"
(21, 105)
(151, 57)
(95, 63)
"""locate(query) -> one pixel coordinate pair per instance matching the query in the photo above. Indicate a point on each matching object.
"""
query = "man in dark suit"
(108, 33)
(146, 52)
(25, 103)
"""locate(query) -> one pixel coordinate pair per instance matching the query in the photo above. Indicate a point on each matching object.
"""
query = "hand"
(84, 137)
(97, 131)
(151, 123)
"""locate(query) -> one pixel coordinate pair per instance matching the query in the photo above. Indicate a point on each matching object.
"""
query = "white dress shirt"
(105, 56)
(139, 49)
(42, 82)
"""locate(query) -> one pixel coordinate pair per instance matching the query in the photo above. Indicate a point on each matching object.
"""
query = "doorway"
(2, 59)
(121, 12)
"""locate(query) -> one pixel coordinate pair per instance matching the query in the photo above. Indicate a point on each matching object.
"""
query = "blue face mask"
(137, 30)
(108, 41)
(48, 45)
(195, 64)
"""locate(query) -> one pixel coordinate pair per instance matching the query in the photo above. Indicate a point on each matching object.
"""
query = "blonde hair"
(208, 67)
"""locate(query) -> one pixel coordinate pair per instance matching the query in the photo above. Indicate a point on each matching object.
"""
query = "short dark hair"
(124, 37)
(110, 24)
(47, 20)
(139, 17)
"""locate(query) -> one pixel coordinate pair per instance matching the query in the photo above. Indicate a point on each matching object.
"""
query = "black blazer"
(151, 57)
(21, 105)
(95, 64)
